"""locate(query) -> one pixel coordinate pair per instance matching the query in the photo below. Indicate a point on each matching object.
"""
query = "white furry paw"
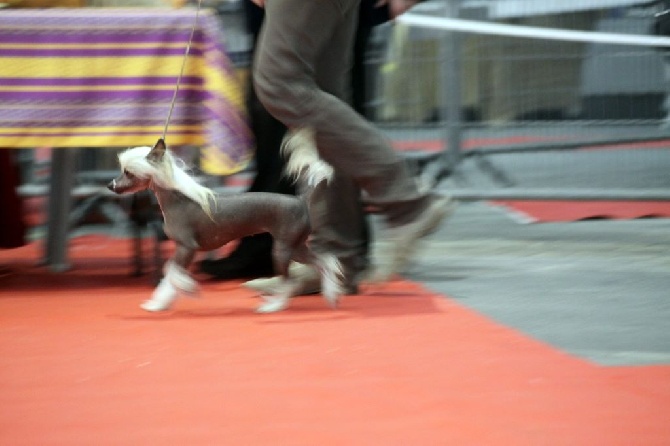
(162, 298)
(273, 304)
(331, 291)
(153, 306)
(181, 279)
(333, 300)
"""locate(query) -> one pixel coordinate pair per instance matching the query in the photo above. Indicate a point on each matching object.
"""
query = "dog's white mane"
(169, 174)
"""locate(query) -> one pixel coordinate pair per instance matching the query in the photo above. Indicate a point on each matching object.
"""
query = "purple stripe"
(93, 97)
(99, 81)
(228, 114)
(97, 52)
(94, 18)
(103, 123)
(122, 111)
(230, 125)
(93, 36)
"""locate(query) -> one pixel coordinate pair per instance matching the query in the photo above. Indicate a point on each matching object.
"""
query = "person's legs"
(297, 39)
(340, 227)
(358, 70)
(339, 222)
(346, 233)
(296, 35)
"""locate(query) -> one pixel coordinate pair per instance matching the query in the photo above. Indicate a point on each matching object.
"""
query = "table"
(105, 77)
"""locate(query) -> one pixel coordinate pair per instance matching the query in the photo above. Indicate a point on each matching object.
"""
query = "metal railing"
(507, 117)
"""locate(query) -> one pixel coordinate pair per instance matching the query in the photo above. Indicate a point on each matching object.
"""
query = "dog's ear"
(157, 152)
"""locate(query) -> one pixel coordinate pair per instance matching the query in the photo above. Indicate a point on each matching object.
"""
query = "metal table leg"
(60, 203)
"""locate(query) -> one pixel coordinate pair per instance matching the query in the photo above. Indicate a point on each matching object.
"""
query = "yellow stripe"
(217, 162)
(91, 67)
(227, 87)
(88, 141)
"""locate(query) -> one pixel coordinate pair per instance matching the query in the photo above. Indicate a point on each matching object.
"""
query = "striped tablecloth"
(100, 77)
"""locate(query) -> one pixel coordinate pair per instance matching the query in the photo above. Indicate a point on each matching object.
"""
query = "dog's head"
(137, 168)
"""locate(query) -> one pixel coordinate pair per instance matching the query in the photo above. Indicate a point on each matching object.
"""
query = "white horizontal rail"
(530, 32)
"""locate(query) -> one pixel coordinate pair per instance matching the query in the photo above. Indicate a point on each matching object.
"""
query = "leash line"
(181, 72)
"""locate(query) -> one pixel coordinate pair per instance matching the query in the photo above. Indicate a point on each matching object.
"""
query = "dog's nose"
(112, 185)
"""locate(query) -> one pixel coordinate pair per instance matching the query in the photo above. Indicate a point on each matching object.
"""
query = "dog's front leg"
(163, 296)
(179, 275)
(176, 280)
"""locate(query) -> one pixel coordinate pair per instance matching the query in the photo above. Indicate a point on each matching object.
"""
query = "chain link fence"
(492, 114)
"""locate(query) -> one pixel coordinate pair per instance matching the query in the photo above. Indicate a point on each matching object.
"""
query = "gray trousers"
(301, 75)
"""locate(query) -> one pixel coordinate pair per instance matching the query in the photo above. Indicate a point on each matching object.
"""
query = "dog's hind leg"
(329, 269)
(281, 255)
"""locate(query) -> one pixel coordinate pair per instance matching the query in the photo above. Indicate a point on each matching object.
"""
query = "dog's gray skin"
(233, 216)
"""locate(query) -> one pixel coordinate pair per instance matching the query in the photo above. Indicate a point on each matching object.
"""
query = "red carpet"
(81, 364)
(555, 211)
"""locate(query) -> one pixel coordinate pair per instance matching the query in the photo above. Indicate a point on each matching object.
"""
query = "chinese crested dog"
(198, 219)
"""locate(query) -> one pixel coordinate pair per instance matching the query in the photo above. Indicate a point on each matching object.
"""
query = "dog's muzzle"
(112, 185)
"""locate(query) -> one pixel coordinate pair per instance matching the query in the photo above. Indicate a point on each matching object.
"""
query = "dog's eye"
(128, 174)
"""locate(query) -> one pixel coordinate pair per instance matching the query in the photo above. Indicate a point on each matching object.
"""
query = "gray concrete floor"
(598, 289)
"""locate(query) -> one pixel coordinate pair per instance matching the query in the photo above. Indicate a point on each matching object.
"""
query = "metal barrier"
(498, 116)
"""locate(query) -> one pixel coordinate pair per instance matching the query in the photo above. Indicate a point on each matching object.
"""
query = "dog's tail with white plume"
(303, 163)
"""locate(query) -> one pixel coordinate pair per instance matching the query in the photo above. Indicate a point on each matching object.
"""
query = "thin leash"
(181, 72)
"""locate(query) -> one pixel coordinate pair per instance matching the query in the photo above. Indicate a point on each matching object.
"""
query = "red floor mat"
(555, 211)
(81, 364)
